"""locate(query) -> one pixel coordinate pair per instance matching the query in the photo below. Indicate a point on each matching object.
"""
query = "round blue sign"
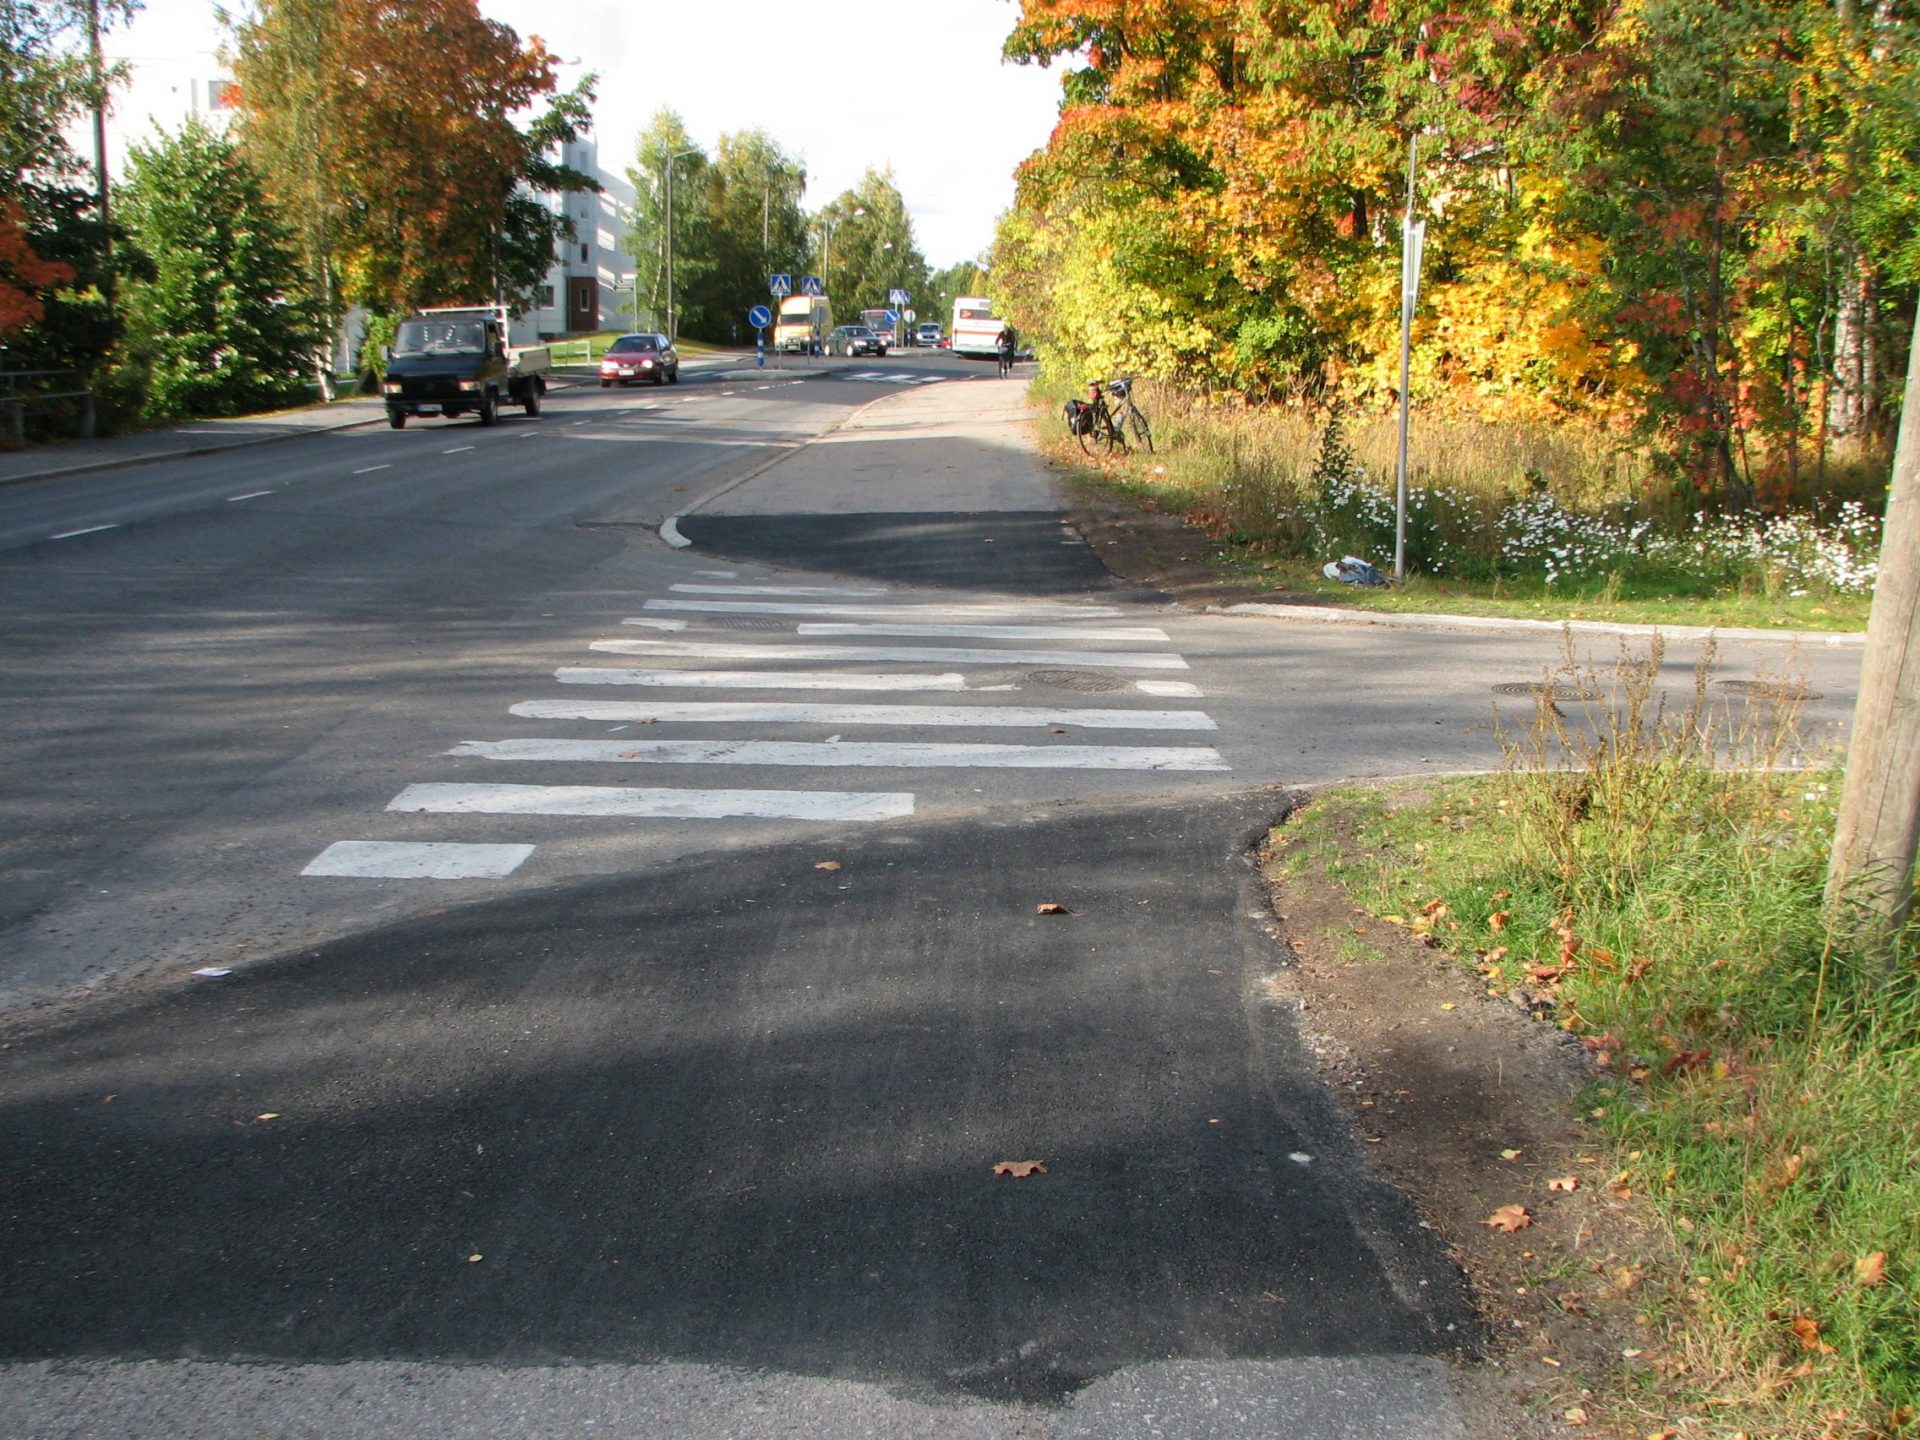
(759, 317)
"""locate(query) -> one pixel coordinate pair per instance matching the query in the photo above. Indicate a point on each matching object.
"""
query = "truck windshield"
(440, 337)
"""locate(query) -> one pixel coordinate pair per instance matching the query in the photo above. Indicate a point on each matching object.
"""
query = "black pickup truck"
(447, 362)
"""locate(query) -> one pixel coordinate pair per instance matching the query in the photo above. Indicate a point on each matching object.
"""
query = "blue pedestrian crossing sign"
(810, 285)
(760, 317)
(780, 284)
(897, 297)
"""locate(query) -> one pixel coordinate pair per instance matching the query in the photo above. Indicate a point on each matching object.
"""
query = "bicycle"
(1101, 428)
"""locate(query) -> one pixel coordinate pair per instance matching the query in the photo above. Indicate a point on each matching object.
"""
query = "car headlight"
(393, 387)
(469, 384)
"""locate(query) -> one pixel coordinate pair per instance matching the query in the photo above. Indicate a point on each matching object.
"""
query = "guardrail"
(570, 352)
(13, 404)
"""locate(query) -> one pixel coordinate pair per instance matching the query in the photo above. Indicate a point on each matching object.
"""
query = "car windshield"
(630, 343)
(860, 332)
(440, 337)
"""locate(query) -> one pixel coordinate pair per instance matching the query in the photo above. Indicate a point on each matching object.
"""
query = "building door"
(583, 303)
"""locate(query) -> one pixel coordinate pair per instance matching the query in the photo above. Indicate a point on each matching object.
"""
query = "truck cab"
(451, 361)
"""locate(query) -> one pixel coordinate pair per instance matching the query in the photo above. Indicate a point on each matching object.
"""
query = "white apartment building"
(589, 287)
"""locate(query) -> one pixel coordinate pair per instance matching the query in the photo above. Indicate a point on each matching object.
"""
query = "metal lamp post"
(673, 327)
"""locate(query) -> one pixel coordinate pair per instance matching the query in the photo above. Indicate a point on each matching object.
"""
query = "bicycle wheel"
(1110, 437)
(1091, 435)
(1138, 430)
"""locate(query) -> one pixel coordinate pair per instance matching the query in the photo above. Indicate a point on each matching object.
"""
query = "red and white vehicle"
(976, 329)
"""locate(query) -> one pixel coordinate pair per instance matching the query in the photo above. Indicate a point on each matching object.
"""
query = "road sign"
(780, 284)
(759, 316)
(810, 285)
(898, 297)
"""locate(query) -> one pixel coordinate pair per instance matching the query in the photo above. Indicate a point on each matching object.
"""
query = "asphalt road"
(624, 1017)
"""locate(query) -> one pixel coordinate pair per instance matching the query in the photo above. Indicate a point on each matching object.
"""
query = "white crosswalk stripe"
(891, 377)
(818, 623)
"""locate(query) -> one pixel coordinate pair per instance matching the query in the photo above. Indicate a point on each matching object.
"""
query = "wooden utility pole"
(1870, 877)
(109, 281)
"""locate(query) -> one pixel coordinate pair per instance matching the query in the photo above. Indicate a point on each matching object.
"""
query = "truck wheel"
(489, 409)
(397, 419)
(533, 399)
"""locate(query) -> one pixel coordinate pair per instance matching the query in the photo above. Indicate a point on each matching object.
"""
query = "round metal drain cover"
(1085, 680)
(1533, 688)
(1768, 690)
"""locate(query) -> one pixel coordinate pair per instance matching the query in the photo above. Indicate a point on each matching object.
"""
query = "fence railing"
(14, 401)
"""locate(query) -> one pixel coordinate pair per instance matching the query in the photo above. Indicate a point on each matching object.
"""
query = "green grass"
(1760, 1085)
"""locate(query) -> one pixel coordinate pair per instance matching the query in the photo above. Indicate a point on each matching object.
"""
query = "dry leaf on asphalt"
(826, 865)
(268, 1115)
(1020, 1169)
(1509, 1218)
(1566, 1184)
(1052, 907)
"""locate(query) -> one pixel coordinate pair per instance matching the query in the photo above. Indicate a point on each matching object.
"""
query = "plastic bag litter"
(1352, 570)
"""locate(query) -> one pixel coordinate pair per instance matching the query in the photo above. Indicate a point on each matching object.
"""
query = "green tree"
(222, 326)
(753, 227)
(873, 249)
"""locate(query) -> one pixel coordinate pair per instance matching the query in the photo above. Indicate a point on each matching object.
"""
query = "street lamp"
(827, 227)
(673, 328)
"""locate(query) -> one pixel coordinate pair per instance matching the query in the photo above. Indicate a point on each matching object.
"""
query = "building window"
(583, 252)
(546, 297)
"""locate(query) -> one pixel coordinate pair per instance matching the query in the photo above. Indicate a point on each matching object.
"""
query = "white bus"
(976, 329)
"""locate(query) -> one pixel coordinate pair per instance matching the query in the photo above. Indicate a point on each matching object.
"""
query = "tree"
(388, 125)
(873, 246)
(665, 143)
(753, 228)
(222, 326)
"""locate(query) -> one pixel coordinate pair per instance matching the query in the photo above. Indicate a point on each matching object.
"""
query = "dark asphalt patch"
(1012, 552)
(745, 1112)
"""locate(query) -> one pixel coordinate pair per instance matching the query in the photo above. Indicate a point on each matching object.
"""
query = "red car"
(644, 356)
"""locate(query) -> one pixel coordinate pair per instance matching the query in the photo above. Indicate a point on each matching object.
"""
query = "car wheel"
(674, 375)
(660, 377)
(397, 419)
(606, 384)
(489, 409)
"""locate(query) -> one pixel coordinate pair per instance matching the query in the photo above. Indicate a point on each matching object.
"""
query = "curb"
(1325, 615)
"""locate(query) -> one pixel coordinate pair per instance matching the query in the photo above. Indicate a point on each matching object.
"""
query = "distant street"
(648, 955)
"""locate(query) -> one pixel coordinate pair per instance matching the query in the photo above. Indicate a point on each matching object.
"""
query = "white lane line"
(608, 800)
(771, 712)
(660, 624)
(718, 574)
(988, 632)
(911, 654)
(437, 860)
(1036, 611)
(1171, 689)
(881, 754)
(250, 495)
(758, 679)
(456, 450)
(369, 469)
(852, 591)
(90, 530)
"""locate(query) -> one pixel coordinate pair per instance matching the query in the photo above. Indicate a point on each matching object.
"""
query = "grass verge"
(1648, 875)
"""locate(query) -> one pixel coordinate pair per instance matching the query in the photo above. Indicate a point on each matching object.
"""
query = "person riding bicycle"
(1006, 346)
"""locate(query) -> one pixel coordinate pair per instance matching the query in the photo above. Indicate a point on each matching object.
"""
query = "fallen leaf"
(826, 864)
(1565, 1184)
(1806, 1330)
(1509, 1218)
(1438, 909)
(1497, 921)
(1449, 1005)
(1509, 1154)
(1550, 1360)
(268, 1115)
(1051, 907)
(1020, 1169)
(1871, 1269)
(475, 1259)
(1056, 729)
(1575, 1415)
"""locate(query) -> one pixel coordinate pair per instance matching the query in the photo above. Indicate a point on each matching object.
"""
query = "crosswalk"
(891, 377)
(835, 652)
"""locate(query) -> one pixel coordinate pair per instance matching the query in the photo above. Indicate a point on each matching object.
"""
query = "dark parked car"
(640, 357)
(855, 340)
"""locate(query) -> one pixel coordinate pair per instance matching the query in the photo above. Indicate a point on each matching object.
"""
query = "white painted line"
(1039, 610)
(988, 632)
(369, 469)
(607, 800)
(759, 679)
(670, 532)
(390, 860)
(660, 624)
(852, 591)
(90, 530)
(910, 654)
(771, 712)
(718, 574)
(881, 754)
(1172, 689)
(457, 449)
(250, 495)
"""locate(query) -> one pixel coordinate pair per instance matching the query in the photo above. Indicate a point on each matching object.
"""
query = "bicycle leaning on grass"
(1102, 428)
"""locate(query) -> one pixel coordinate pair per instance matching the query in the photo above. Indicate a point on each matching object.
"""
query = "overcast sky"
(917, 85)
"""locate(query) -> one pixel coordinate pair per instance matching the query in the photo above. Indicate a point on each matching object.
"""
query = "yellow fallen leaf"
(1449, 1005)
(1871, 1269)
(1509, 1154)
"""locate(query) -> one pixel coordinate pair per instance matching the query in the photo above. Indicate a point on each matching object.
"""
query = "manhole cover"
(1085, 680)
(1769, 690)
(1533, 688)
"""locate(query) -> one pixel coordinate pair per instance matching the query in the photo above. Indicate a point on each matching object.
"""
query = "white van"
(803, 323)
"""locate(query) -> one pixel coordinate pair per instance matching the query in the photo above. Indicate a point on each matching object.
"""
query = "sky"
(915, 85)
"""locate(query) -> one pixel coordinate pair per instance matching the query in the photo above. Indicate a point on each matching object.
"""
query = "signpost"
(780, 285)
(760, 317)
(899, 298)
(810, 285)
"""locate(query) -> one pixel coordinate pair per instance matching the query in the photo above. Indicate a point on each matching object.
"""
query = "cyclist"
(1006, 346)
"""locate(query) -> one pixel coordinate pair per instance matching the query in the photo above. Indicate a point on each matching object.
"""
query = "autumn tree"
(874, 250)
(221, 326)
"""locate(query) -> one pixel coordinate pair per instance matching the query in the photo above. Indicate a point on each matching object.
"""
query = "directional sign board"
(780, 284)
(810, 285)
(759, 317)
(898, 297)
